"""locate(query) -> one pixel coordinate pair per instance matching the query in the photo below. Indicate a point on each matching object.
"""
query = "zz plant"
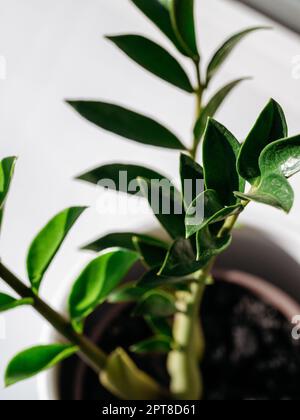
(169, 295)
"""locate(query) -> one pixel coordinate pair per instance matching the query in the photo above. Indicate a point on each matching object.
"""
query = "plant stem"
(89, 352)
(199, 93)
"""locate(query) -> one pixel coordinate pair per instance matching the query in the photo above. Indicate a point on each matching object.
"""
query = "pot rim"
(286, 235)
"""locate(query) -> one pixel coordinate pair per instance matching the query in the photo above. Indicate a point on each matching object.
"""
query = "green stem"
(89, 352)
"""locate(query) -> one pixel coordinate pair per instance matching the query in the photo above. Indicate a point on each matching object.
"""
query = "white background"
(55, 50)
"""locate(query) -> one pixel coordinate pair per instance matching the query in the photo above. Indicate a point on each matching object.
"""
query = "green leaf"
(123, 176)
(35, 360)
(122, 240)
(97, 281)
(207, 209)
(47, 243)
(126, 381)
(7, 302)
(212, 107)
(282, 157)
(270, 126)
(209, 246)
(278, 161)
(182, 14)
(151, 253)
(152, 280)
(166, 204)
(158, 11)
(181, 260)
(154, 58)
(156, 304)
(160, 326)
(152, 345)
(192, 178)
(7, 167)
(126, 123)
(128, 293)
(273, 190)
(225, 50)
(220, 152)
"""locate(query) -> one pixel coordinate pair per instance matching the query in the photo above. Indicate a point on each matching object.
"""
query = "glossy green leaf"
(47, 243)
(152, 345)
(7, 302)
(192, 179)
(121, 177)
(126, 123)
(160, 326)
(225, 50)
(158, 11)
(182, 14)
(122, 240)
(154, 58)
(209, 246)
(126, 381)
(35, 360)
(157, 304)
(152, 280)
(278, 161)
(212, 107)
(270, 126)
(97, 281)
(220, 152)
(181, 260)
(273, 190)
(151, 253)
(207, 209)
(282, 157)
(128, 293)
(167, 206)
(7, 167)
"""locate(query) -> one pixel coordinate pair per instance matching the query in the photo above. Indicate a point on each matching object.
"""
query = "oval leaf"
(220, 152)
(209, 246)
(166, 204)
(181, 260)
(152, 254)
(225, 50)
(154, 58)
(122, 240)
(121, 177)
(125, 380)
(157, 304)
(35, 360)
(282, 157)
(273, 190)
(270, 126)
(192, 179)
(128, 293)
(152, 345)
(160, 326)
(97, 281)
(182, 13)
(158, 11)
(47, 243)
(207, 209)
(212, 107)
(126, 123)
(7, 302)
